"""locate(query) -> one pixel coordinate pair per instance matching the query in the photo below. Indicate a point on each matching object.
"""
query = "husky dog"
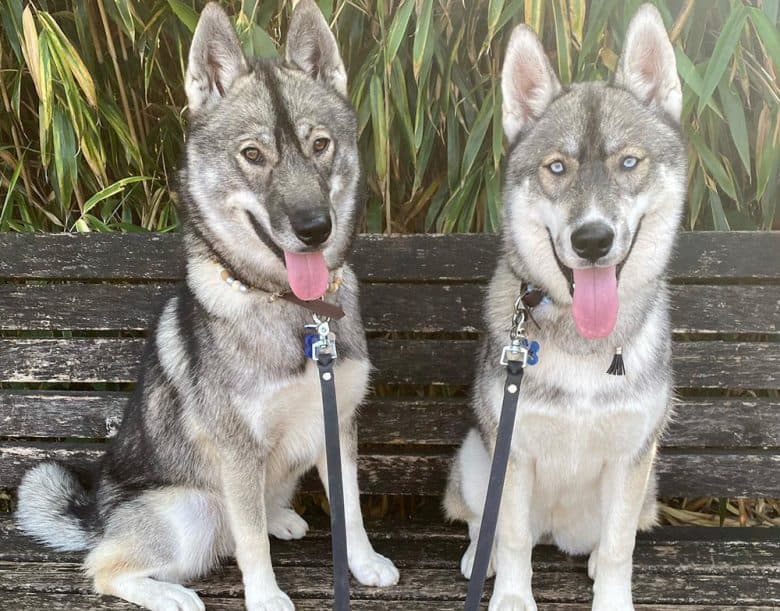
(594, 187)
(228, 415)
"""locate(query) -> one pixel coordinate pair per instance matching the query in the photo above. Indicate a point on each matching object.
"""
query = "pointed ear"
(647, 67)
(528, 83)
(216, 59)
(312, 47)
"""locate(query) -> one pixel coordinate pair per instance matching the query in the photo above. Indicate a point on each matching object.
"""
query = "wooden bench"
(74, 309)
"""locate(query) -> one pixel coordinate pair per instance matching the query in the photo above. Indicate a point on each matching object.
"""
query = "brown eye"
(321, 145)
(253, 155)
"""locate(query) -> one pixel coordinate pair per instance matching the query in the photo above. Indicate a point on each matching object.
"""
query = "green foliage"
(91, 98)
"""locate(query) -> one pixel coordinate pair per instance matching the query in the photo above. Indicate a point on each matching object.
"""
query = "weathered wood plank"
(34, 601)
(681, 474)
(700, 256)
(719, 422)
(424, 308)
(440, 545)
(672, 587)
(715, 364)
(26, 601)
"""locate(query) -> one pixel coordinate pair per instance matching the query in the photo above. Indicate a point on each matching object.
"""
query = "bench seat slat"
(432, 543)
(718, 422)
(712, 364)
(753, 474)
(562, 585)
(420, 257)
(34, 601)
(425, 308)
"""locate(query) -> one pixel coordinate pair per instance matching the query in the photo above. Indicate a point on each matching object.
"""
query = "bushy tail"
(51, 504)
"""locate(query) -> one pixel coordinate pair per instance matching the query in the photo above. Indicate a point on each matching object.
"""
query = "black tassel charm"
(617, 368)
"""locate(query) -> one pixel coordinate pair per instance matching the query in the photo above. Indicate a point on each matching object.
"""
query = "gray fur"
(584, 441)
(227, 413)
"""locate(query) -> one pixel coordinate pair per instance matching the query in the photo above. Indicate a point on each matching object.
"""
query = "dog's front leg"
(514, 540)
(623, 488)
(368, 567)
(243, 481)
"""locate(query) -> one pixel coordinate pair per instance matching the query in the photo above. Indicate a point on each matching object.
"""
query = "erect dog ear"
(647, 67)
(216, 59)
(528, 82)
(312, 47)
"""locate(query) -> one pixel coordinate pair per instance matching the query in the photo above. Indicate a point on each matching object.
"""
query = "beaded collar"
(317, 306)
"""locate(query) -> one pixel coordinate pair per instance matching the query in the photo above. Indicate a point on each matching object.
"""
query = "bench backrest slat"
(73, 309)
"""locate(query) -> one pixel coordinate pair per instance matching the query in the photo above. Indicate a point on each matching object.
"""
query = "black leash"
(519, 353)
(323, 351)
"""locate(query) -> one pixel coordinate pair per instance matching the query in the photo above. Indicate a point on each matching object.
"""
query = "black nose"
(312, 228)
(592, 241)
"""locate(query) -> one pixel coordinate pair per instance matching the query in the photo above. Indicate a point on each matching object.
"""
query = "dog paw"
(511, 602)
(284, 523)
(175, 597)
(375, 570)
(277, 601)
(612, 603)
(592, 562)
(467, 561)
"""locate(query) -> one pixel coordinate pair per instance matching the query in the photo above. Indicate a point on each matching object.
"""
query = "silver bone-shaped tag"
(326, 342)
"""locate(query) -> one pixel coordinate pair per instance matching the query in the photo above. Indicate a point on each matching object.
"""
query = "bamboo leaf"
(714, 166)
(110, 191)
(562, 40)
(422, 37)
(477, 136)
(376, 94)
(768, 33)
(735, 119)
(185, 14)
(68, 54)
(725, 47)
(5, 212)
(124, 9)
(30, 50)
(495, 9)
(397, 30)
(64, 149)
(533, 14)
(577, 11)
(719, 220)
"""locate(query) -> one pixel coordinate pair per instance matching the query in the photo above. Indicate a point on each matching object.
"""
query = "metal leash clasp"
(326, 339)
(516, 350)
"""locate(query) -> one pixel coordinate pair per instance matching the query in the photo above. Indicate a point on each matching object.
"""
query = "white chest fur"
(288, 417)
(572, 416)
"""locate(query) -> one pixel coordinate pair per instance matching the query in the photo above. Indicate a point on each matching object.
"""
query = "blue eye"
(557, 168)
(630, 162)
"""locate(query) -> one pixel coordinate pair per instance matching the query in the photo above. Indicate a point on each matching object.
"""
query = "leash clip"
(517, 349)
(325, 342)
(514, 352)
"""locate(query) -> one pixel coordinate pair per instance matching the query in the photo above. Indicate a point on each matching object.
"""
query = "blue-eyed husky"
(593, 191)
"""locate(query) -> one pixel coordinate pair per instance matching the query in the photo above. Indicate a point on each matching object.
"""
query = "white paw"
(175, 597)
(467, 562)
(592, 564)
(278, 601)
(374, 570)
(511, 602)
(617, 602)
(284, 523)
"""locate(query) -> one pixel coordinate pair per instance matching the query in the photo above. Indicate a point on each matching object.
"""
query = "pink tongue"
(307, 274)
(595, 304)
